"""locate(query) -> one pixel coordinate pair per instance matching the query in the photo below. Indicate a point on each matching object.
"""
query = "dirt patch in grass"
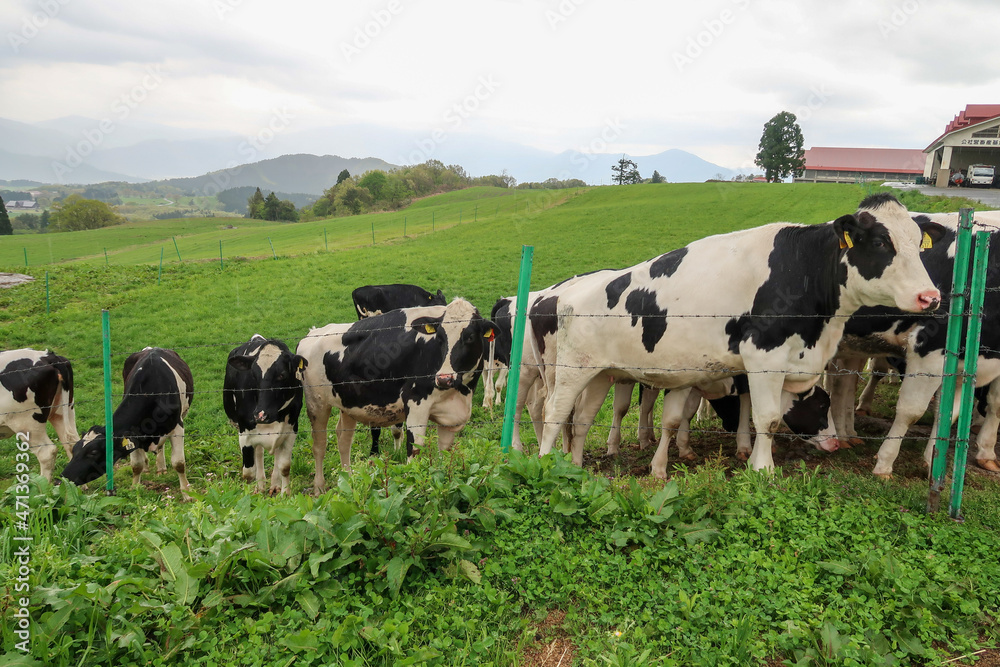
(552, 646)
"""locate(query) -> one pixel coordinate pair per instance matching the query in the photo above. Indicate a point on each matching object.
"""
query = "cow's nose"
(929, 300)
(445, 380)
(261, 417)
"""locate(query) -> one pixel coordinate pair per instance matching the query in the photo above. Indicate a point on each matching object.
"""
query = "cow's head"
(90, 456)
(808, 416)
(466, 336)
(437, 299)
(277, 375)
(881, 246)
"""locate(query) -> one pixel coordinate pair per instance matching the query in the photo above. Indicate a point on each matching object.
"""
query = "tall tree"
(255, 205)
(75, 213)
(5, 227)
(625, 172)
(657, 178)
(343, 176)
(781, 153)
(271, 206)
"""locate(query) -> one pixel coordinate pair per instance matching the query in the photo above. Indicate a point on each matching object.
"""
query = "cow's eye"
(282, 377)
(878, 243)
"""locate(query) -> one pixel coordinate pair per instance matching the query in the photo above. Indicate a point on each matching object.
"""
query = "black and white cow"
(158, 393)
(770, 302)
(262, 396)
(37, 386)
(377, 299)
(412, 366)
(920, 341)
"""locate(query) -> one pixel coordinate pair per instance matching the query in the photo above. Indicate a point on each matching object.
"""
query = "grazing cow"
(262, 396)
(413, 365)
(158, 393)
(37, 386)
(920, 340)
(774, 308)
(377, 299)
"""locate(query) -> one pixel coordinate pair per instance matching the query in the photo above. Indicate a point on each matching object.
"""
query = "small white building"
(972, 137)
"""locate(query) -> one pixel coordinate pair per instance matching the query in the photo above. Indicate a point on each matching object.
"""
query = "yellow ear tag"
(301, 364)
(490, 335)
(128, 445)
(926, 242)
(429, 329)
(846, 242)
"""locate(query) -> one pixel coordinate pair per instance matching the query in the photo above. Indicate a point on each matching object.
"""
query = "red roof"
(972, 115)
(895, 160)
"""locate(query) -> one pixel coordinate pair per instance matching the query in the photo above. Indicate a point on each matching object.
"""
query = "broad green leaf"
(396, 572)
(486, 517)
(700, 534)
(602, 507)
(213, 599)
(908, 642)
(170, 559)
(837, 567)
(659, 501)
(451, 540)
(316, 559)
(304, 640)
(469, 570)
(186, 587)
(469, 493)
(309, 603)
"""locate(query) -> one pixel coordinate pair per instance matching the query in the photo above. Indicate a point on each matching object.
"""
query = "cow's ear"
(426, 325)
(844, 227)
(300, 364)
(240, 362)
(931, 233)
(440, 295)
(489, 330)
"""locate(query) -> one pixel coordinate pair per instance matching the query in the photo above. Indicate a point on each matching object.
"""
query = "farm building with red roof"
(846, 165)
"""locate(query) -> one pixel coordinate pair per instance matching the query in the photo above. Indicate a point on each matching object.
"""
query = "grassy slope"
(203, 312)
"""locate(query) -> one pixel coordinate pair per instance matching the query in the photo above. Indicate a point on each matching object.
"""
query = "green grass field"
(460, 558)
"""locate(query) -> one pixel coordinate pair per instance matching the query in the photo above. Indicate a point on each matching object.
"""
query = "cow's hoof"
(852, 442)
(988, 464)
(658, 474)
(883, 475)
(610, 455)
(861, 412)
(743, 456)
(689, 457)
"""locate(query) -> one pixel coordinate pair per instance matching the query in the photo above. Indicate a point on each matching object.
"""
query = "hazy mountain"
(309, 174)
(125, 133)
(49, 170)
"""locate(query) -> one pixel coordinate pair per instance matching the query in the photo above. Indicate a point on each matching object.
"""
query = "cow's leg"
(258, 468)
(684, 450)
(489, 390)
(527, 379)
(446, 436)
(765, 399)
(986, 440)
(177, 458)
(63, 420)
(921, 381)
(161, 457)
(842, 378)
(673, 413)
(417, 419)
(346, 425)
(879, 369)
(376, 435)
(646, 432)
(562, 392)
(45, 451)
(744, 445)
(281, 475)
(501, 383)
(620, 405)
(319, 419)
(586, 409)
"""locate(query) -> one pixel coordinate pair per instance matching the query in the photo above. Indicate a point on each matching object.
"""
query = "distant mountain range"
(83, 151)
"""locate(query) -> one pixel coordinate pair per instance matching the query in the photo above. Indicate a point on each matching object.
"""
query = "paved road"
(989, 196)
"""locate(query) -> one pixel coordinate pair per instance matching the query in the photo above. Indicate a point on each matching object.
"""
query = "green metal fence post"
(978, 291)
(221, 266)
(433, 216)
(177, 249)
(47, 293)
(109, 426)
(373, 232)
(106, 261)
(25, 258)
(946, 403)
(159, 274)
(272, 247)
(513, 377)
(326, 244)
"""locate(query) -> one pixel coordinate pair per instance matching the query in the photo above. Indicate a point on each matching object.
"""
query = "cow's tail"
(64, 403)
(489, 390)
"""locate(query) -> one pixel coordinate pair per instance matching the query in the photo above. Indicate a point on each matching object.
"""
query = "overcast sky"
(625, 75)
